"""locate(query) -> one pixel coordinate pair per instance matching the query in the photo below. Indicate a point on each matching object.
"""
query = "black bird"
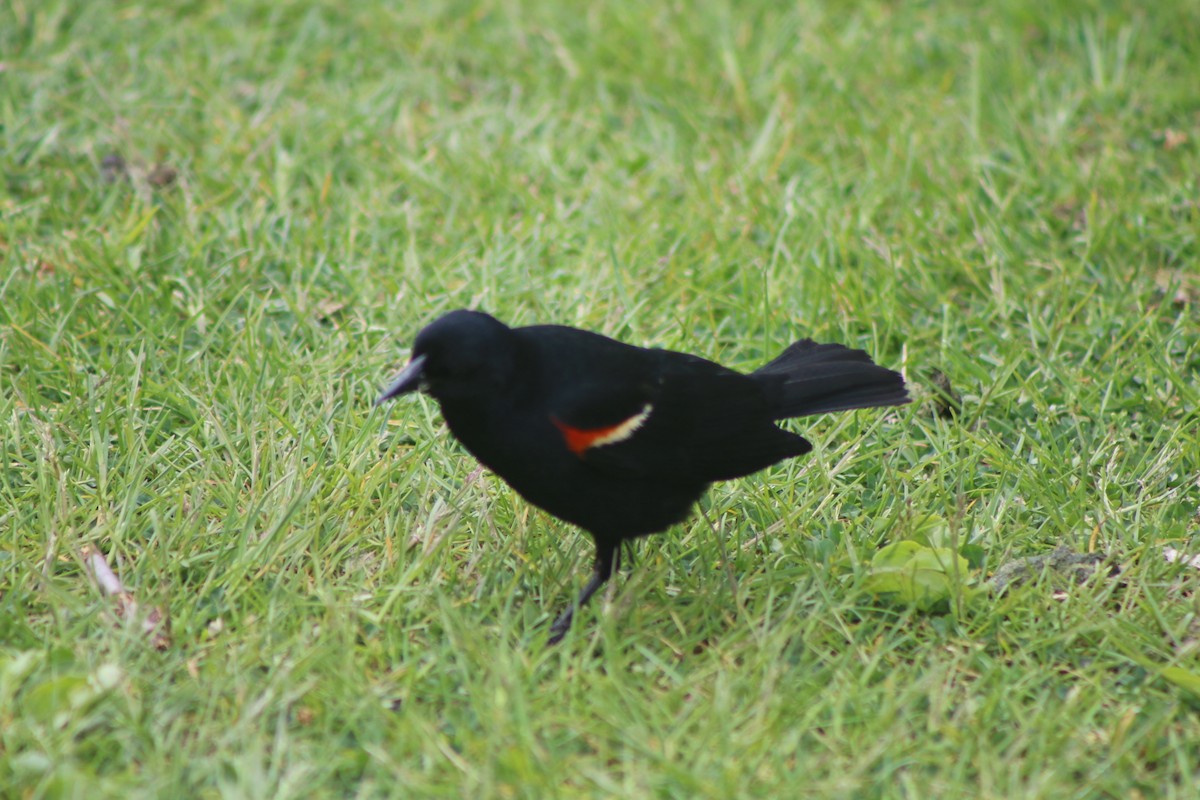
(622, 440)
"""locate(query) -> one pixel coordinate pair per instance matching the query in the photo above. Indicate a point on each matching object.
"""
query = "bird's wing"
(594, 414)
(687, 421)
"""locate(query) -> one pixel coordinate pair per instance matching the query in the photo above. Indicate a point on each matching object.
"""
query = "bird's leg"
(607, 558)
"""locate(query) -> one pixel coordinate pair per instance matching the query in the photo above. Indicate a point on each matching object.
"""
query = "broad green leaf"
(915, 574)
(53, 700)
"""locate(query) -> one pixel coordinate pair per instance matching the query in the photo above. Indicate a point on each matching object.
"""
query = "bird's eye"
(434, 368)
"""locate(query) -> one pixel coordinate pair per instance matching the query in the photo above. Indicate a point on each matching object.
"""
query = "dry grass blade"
(153, 621)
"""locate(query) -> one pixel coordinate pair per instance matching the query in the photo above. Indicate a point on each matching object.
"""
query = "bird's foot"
(560, 627)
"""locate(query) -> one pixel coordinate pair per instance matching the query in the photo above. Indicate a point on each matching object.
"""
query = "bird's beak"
(409, 380)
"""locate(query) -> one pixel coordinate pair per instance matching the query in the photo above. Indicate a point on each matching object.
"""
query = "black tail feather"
(810, 378)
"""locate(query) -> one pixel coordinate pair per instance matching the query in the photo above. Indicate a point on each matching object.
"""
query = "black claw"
(607, 558)
(560, 627)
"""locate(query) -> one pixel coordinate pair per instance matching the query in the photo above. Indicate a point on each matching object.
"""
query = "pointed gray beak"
(409, 380)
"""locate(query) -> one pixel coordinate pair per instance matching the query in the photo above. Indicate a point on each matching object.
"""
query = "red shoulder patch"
(580, 440)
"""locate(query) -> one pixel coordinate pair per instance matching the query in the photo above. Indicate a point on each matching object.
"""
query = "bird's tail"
(810, 378)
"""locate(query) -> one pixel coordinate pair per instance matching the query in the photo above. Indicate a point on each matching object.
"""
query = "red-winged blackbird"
(621, 440)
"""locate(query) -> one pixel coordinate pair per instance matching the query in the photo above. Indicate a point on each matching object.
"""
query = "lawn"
(221, 225)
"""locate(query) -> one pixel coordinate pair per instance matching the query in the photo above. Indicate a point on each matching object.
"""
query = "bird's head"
(460, 355)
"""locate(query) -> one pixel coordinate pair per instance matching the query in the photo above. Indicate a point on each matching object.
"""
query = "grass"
(189, 346)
